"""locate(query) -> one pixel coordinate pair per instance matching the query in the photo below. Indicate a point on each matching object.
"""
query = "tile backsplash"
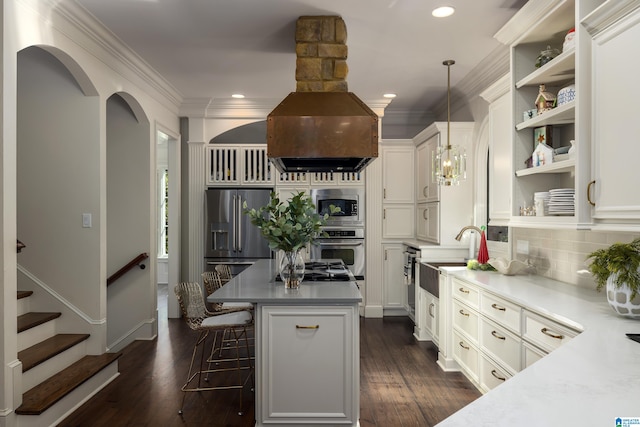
(560, 254)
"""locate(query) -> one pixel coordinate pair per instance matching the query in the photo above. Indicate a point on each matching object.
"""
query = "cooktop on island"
(325, 271)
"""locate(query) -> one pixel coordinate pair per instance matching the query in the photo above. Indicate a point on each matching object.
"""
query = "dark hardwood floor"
(400, 385)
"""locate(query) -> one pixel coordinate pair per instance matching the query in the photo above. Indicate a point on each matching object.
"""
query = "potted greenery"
(616, 268)
(289, 227)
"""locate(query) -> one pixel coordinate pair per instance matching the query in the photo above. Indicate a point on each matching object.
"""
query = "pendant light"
(449, 162)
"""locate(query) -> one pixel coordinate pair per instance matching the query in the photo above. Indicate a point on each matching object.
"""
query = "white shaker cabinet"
(442, 211)
(615, 29)
(306, 352)
(426, 189)
(500, 157)
(398, 189)
(394, 288)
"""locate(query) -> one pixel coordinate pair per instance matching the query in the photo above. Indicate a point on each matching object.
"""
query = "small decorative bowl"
(509, 268)
(566, 95)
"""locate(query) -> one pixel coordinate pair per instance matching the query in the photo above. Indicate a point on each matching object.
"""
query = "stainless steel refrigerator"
(230, 236)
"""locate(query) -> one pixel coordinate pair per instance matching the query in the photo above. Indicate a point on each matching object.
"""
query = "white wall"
(130, 311)
(58, 150)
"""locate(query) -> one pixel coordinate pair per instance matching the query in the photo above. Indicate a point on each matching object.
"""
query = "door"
(250, 242)
(221, 226)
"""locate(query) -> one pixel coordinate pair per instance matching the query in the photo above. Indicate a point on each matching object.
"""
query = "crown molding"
(109, 49)
(609, 13)
(487, 72)
(496, 90)
(529, 15)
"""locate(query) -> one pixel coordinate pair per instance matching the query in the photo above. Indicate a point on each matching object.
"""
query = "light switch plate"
(86, 220)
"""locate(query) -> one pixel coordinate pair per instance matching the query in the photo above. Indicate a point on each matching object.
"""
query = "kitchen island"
(307, 364)
(591, 380)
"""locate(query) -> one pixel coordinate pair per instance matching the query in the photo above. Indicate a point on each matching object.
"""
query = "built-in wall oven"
(411, 257)
(345, 243)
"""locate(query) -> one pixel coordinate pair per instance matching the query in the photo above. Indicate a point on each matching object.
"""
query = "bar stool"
(200, 320)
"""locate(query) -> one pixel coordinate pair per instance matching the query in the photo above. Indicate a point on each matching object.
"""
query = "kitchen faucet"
(468, 227)
(472, 241)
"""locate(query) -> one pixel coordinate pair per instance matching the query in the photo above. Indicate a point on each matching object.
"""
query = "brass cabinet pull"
(463, 313)
(424, 214)
(384, 214)
(464, 346)
(463, 290)
(424, 190)
(497, 307)
(431, 306)
(552, 335)
(495, 374)
(589, 193)
(384, 193)
(495, 334)
(307, 327)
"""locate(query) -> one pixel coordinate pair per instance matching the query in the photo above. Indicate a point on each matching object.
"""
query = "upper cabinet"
(500, 140)
(563, 79)
(441, 211)
(248, 164)
(615, 31)
(397, 189)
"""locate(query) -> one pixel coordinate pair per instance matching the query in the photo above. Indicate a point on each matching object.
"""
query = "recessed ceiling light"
(237, 95)
(443, 11)
(389, 95)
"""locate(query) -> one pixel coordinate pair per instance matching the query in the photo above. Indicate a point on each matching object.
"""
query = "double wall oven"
(344, 229)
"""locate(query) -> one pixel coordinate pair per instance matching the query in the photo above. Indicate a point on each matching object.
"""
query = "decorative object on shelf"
(546, 56)
(617, 268)
(510, 268)
(572, 150)
(542, 155)
(529, 114)
(566, 95)
(561, 153)
(541, 202)
(545, 101)
(449, 162)
(569, 40)
(543, 134)
(290, 227)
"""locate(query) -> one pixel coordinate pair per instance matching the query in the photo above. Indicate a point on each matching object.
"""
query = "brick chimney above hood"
(321, 127)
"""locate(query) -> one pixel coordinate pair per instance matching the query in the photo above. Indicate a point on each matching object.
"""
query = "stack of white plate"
(562, 201)
(541, 200)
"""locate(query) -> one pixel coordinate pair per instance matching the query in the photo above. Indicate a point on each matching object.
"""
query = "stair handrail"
(137, 261)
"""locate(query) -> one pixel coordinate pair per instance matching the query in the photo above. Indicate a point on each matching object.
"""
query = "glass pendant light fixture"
(449, 163)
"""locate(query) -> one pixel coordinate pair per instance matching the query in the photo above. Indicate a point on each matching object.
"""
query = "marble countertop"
(257, 284)
(589, 381)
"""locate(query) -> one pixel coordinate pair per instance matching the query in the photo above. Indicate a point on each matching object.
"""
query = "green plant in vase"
(289, 226)
(617, 269)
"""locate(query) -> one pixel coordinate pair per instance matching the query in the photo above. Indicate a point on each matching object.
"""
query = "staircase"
(57, 374)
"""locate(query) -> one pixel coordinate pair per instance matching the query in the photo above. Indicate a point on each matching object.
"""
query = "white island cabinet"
(307, 366)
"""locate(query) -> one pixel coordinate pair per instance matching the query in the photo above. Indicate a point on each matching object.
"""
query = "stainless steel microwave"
(349, 200)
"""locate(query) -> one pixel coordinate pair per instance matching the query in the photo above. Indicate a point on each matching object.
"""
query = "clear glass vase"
(291, 269)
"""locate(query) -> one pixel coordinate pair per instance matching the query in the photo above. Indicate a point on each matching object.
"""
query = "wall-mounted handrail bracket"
(136, 262)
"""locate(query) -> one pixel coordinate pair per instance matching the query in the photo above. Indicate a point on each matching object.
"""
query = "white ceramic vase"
(619, 299)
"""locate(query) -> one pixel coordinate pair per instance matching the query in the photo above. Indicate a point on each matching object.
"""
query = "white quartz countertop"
(589, 381)
(257, 284)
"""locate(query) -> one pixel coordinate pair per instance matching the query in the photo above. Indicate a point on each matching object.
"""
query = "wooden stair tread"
(24, 294)
(33, 319)
(45, 350)
(46, 394)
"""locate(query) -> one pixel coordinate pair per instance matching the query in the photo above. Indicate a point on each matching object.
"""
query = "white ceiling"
(214, 48)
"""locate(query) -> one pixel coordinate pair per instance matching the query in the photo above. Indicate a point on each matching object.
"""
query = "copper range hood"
(321, 127)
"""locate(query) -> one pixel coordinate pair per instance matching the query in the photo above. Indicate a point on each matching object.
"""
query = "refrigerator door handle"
(239, 221)
(234, 217)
